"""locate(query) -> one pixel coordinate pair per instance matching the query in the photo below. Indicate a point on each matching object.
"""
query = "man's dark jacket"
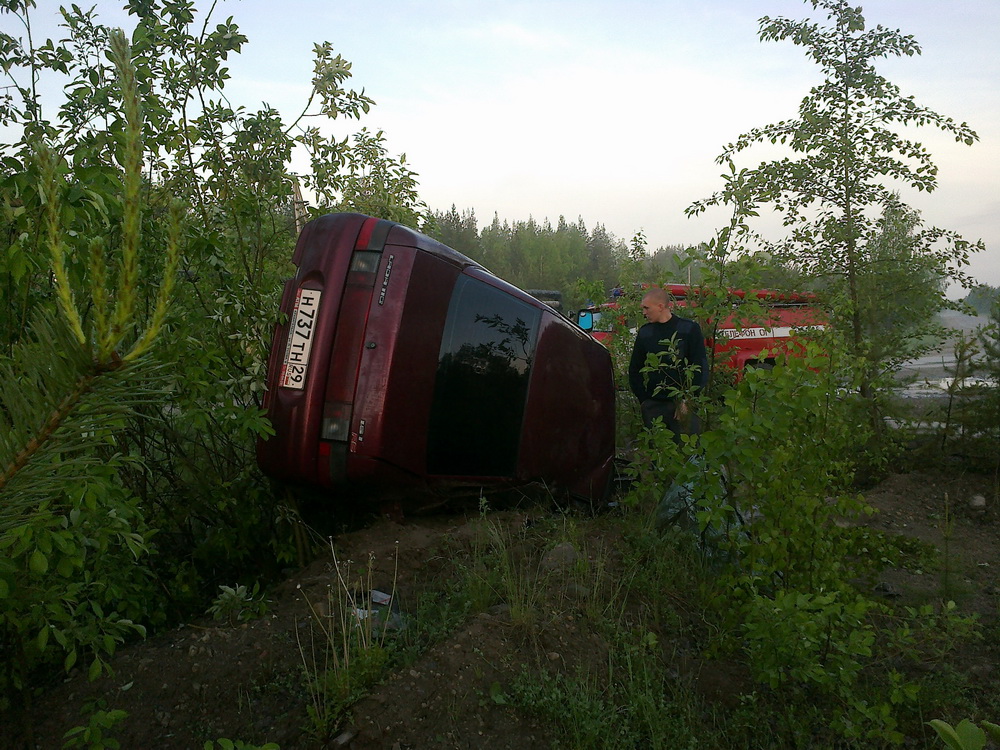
(688, 347)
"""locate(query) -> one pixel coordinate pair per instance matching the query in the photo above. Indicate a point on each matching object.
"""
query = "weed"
(96, 735)
(635, 704)
(947, 534)
(518, 577)
(603, 592)
(346, 650)
(503, 569)
(238, 604)
(225, 744)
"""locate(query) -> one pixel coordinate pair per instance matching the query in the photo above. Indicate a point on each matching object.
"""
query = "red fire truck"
(738, 342)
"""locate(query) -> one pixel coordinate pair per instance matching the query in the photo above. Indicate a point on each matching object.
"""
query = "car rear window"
(482, 381)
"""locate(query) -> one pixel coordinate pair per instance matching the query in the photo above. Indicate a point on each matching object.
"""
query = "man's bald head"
(654, 305)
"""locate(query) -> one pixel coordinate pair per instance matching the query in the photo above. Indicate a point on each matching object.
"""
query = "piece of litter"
(379, 597)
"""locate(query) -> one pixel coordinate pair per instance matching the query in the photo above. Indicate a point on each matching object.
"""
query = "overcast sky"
(613, 110)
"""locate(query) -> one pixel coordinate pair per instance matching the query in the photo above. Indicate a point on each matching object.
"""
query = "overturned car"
(405, 370)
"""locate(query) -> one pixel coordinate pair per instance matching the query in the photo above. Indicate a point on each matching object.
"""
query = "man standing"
(683, 365)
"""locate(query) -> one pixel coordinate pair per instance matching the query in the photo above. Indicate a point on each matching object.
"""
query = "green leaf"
(973, 738)
(65, 567)
(992, 730)
(497, 694)
(964, 737)
(38, 563)
(73, 732)
(60, 638)
(43, 638)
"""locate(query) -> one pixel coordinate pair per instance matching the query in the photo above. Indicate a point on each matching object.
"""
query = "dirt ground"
(209, 680)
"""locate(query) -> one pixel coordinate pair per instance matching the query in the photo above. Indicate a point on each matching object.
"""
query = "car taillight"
(335, 433)
(336, 421)
(364, 266)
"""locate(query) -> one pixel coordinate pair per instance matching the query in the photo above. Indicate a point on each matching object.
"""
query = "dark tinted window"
(482, 382)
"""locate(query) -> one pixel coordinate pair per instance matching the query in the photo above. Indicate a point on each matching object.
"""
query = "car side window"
(481, 385)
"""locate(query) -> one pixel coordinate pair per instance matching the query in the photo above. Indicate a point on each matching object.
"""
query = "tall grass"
(344, 651)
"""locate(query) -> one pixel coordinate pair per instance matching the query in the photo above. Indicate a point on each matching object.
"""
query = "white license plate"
(302, 326)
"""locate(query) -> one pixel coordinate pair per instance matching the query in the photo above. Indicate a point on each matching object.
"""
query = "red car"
(408, 370)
